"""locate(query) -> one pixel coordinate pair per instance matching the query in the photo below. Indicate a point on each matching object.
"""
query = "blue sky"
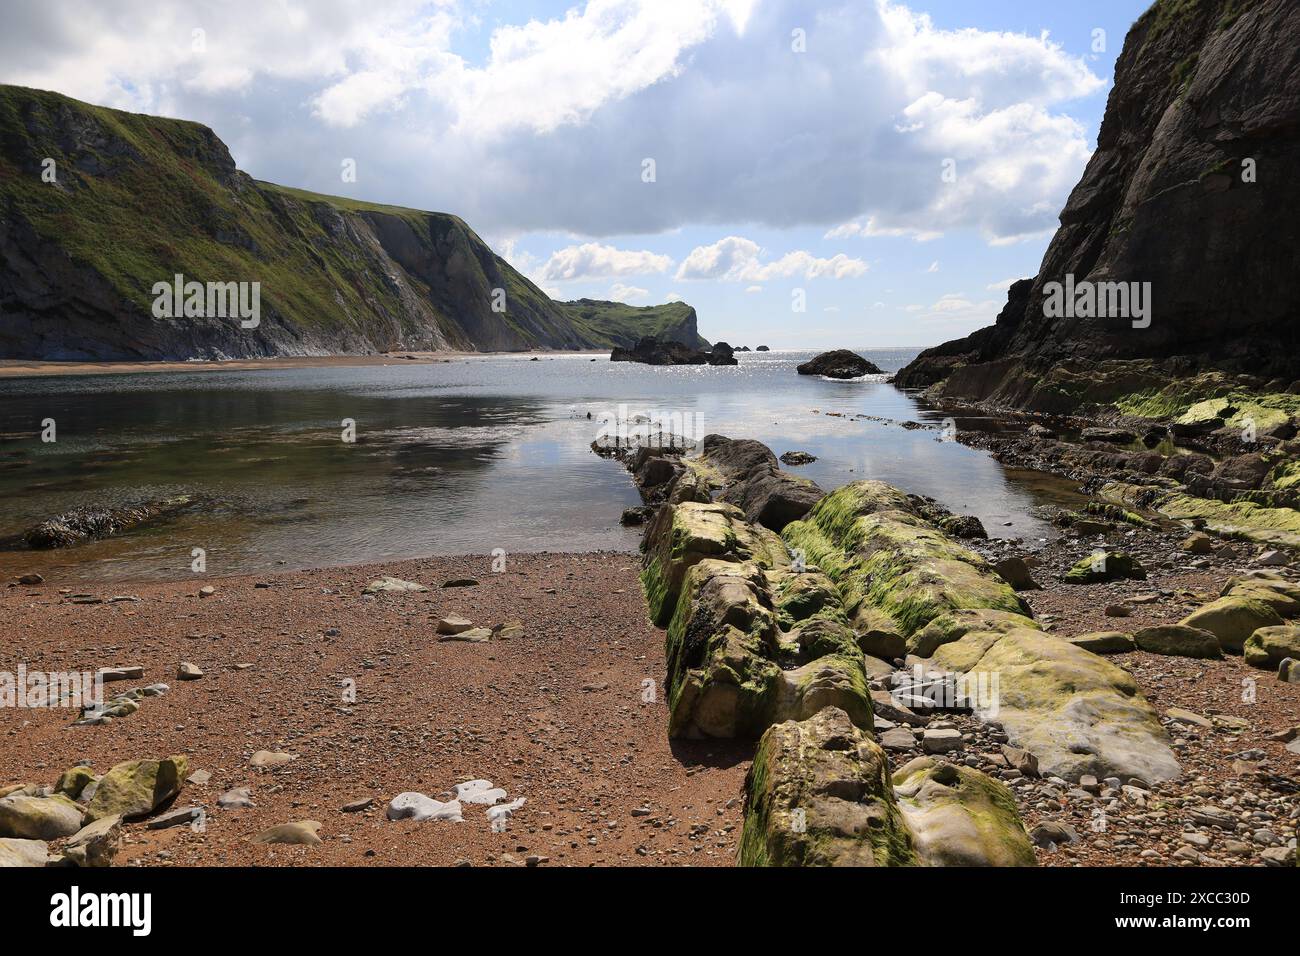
(891, 164)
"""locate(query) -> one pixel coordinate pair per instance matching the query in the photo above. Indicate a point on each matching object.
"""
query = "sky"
(806, 175)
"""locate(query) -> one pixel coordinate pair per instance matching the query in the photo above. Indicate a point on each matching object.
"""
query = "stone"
(200, 778)
(460, 583)
(1198, 543)
(1180, 716)
(108, 674)
(207, 591)
(1279, 856)
(1016, 573)
(1233, 619)
(454, 624)
(940, 741)
(187, 671)
(267, 759)
(1178, 640)
(478, 791)
(1289, 671)
(1021, 760)
(1270, 646)
(239, 798)
(175, 818)
(417, 806)
(391, 585)
(1273, 559)
(474, 635)
(31, 580)
(300, 832)
(1049, 834)
(1118, 610)
(137, 787)
(23, 853)
(1105, 566)
(957, 816)
(818, 794)
(898, 738)
(1104, 642)
(95, 844)
(26, 817)
(356, 806)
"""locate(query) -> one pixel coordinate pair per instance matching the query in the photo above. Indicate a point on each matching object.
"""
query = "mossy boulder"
(1233, 619)
(1178, 640)
(960, 817)
(1106, 566)
(722, 646)
(137, 787)
(29, 817)
(819, 794)
(684, 534)
(1270, 646)
(1076, 711)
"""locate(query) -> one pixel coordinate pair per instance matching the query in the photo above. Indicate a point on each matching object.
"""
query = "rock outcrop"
(140, 199)
(1189, 190)
(838, 363)
(650, 350)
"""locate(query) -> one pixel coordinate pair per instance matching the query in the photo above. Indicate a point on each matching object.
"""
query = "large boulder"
(960, 817)
(1178, 640)
(24, 853)
(1075, 711)
(1270, 646)
(819, 794)
(30, 817)
(838, 363)
(1233, 619)
(137, 787)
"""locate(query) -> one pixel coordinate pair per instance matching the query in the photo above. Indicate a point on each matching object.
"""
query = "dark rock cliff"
(1193, 188)
(98, 205)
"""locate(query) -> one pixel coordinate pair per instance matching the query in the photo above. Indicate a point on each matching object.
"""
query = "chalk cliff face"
(97, 206)
(1194, 188)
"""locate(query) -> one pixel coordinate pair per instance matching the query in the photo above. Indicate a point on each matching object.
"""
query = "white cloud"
(736, 259)
(934, 266)
(547, 130)
(753, 289)
(591, 260)
(626, 293)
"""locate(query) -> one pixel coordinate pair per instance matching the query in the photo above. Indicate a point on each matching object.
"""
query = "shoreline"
(24, 368)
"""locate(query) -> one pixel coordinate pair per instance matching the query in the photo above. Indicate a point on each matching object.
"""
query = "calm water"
(450, 458)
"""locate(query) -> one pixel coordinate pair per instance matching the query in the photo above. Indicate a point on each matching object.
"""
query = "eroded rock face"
(1200, 88)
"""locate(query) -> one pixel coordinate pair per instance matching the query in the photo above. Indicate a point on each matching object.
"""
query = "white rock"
(417, 806)
(478, 791)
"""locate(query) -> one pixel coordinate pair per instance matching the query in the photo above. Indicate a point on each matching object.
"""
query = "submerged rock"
(83, 524)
